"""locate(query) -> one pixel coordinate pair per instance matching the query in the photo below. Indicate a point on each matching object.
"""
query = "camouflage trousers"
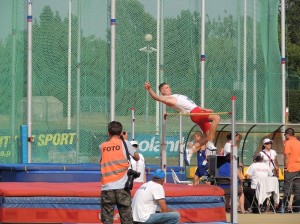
(122, 199)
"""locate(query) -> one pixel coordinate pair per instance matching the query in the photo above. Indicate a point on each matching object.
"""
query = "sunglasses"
(268, 143)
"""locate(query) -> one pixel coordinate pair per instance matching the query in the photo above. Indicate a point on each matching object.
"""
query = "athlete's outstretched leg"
(208, 128)
(209, 125)
(215, 120)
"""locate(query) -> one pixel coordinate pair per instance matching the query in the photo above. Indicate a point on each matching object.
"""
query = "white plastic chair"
(177, 181)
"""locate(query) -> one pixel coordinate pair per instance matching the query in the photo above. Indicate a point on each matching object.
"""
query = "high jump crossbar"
(198, 114)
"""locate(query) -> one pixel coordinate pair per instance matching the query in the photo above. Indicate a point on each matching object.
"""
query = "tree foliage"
(293, 58)
(293, 37)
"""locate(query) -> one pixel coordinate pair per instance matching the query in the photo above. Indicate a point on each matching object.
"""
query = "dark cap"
(257, 157)
(229, 135)
(289, 131)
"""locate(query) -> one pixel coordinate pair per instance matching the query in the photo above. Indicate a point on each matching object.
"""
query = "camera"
(131, 176)
(122, 134)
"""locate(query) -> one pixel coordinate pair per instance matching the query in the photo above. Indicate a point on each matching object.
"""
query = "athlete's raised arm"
(168, 100)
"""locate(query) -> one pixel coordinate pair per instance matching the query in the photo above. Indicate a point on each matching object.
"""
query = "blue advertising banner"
(149, 145)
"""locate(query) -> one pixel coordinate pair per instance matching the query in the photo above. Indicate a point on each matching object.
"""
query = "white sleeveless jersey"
(183, 104)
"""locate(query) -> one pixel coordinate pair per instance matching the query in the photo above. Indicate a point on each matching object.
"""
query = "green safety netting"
(69, 117)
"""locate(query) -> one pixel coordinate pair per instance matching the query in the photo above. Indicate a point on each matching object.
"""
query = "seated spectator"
(224, 171)
(256, 170)
(148, 198)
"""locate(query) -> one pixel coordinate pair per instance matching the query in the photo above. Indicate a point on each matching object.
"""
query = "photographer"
(147, 199)
(114, 168)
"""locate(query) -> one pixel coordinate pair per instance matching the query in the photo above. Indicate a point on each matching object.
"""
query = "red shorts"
(202, 120)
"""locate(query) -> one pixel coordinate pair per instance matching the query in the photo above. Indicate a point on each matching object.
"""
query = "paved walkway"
(267, 218)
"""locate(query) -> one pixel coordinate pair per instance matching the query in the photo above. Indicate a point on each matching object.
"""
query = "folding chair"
(221, 181)
(295, 185)
(254, 204)
(266, 187)
(177, 181)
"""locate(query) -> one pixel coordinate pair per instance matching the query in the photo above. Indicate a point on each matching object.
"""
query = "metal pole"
(113, 60)
(163, 150)
(180, 142)
(157, 67)
(132, 121)
(161, 107)
(159, 78)
(13, 82)
(29, 78)
(202, 59)
(233, 165)
(283, 61)
(254, 64)
(69, 65)
(147, 79)
(245, 65)
(238, 59)
(148, 38)
(78, 80)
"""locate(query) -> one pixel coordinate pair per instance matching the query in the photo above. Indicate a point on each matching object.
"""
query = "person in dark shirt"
(224, 171)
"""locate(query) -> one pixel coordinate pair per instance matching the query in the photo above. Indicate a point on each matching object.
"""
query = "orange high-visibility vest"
(114, 164)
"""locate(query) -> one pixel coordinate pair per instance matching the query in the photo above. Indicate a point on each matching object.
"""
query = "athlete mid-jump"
(208, 123)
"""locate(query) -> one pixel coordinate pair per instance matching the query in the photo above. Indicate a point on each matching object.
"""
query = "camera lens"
(131, 176)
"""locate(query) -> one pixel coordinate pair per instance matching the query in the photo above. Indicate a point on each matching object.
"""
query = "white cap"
(267, 140)
(134, 143)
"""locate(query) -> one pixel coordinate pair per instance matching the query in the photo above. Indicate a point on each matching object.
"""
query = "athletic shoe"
(187, 156)
(210, 146)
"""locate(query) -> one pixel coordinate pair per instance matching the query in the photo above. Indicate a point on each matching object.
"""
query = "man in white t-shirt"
(148, 198)
(256, 171)
(138, 166)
